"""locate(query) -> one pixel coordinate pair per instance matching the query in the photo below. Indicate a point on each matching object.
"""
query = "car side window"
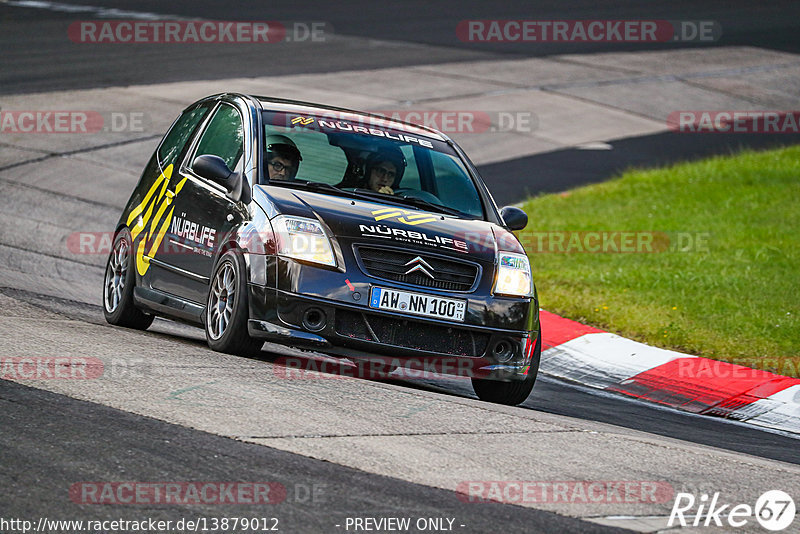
(411, 178)
(224, 136)
(179, 134)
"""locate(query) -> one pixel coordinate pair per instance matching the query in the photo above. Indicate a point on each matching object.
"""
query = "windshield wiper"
(319, 186)
(305, 184)
(369, 194)
(414, 201)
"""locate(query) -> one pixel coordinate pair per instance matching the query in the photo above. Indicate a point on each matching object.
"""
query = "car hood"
(362, 221)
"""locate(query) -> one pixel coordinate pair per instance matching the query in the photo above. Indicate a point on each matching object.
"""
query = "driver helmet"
(280, 145)
(391, 154)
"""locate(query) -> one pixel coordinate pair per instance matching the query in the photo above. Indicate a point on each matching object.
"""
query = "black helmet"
(280, 145)
(391, 154)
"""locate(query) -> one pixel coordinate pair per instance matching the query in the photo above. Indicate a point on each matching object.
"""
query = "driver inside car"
(384, 170)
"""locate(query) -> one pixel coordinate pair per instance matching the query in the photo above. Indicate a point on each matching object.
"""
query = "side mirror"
(515, 218)
(215, 169)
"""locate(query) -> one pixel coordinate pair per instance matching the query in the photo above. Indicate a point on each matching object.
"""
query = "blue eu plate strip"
(375, 298)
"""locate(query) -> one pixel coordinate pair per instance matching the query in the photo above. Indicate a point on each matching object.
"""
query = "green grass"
(735, 297)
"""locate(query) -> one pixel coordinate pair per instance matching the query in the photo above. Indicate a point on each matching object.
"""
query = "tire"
(118, 283)
(510, 393)
(226, 313)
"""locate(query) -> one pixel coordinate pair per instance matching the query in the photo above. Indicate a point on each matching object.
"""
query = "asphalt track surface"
(37, 58)
(48, 441)
(560, 170)
(50, 438)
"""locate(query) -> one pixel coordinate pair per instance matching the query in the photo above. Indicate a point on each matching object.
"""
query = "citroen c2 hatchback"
(347, 233)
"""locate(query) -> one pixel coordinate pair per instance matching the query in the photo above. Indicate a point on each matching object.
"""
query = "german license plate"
(382, 298)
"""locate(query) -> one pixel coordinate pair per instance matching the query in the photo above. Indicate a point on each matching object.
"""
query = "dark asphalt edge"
(51, 441)
(513, 181)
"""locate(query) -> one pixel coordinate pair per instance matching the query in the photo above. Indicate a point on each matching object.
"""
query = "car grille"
(411, 334)
(390, 264)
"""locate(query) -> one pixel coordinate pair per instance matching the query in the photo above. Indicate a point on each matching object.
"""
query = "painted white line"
(603, 359)
(779, 411)
(545, 377)
(95, 11)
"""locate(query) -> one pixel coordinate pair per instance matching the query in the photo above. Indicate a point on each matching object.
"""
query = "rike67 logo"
(774, 510)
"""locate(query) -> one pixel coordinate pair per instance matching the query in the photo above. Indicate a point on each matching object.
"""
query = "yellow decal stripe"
(156, 196)
(388, 216)
(142, 261)
(138, 209)
(167, 174)
(386, 210)
(143, 221)
(418, 221)
(161, 209)
(161, 232)
(179, 186)
(167, 201)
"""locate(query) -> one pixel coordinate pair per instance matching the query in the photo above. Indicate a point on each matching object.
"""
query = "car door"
(203, 214)
(153, 204)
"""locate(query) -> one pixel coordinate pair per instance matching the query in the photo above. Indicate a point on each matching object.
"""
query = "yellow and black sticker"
(403, 216)
(158, 199)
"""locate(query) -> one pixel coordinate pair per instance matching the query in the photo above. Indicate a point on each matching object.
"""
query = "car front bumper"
(328, 311)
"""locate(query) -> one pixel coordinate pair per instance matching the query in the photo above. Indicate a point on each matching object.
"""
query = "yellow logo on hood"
(403, 216)
(157, 200)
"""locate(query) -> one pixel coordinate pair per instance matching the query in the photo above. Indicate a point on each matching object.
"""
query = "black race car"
(330, 229)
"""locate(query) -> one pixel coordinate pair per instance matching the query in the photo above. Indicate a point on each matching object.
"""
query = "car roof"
(371, 119)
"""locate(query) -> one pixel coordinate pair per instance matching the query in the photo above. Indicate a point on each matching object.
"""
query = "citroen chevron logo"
(420, 265)
(302, 120)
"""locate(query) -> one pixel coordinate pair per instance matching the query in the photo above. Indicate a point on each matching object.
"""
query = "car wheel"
(118, 283)
(226, 308)
(510, 393)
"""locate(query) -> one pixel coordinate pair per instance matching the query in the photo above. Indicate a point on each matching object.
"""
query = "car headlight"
(303, 239)
(513, 275)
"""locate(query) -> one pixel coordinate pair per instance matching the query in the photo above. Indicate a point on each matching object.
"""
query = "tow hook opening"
(314, 320)
(503, 351)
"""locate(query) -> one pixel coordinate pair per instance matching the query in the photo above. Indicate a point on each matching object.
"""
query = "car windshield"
(372, 160)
